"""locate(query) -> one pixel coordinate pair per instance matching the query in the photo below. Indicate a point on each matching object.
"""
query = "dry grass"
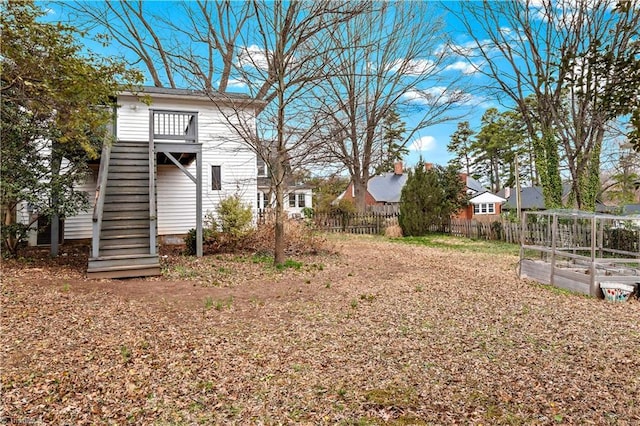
(382, 333)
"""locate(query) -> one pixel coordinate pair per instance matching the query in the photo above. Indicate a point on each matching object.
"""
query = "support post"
(199, 204)
(593, 284)
(153, 215)
(554, 237)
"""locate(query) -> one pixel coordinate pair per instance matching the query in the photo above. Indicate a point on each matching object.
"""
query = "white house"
(297, 197)
(197, 158)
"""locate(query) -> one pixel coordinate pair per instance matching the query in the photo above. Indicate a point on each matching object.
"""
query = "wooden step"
(124, 216)
(128, 162)
(134, 174)
(122, 190)
(107, 252)
(113, 225)
(124, 236)
(118, 197)
(125, 231)
(129, 168)
(111, 206)
(126, 260)
(140, 156)
(124, 272)
(111, 243)
(126, 183)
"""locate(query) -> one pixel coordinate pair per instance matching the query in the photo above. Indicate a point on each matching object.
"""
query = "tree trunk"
(548, 166)
(278, 252)
(360, 194)
(9, 220)
(54, 219)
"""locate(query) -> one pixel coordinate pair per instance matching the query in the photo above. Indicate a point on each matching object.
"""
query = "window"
(262, 168)
(292, 200)
(484, 208)
(262, 200)
(300, 200)
(216, 180)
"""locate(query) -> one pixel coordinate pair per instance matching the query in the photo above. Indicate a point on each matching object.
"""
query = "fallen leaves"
(436, 336)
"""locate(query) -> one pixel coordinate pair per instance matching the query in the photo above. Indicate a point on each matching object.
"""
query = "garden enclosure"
(578, 251)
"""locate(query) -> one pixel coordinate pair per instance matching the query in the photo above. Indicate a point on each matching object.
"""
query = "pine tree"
(429, 198)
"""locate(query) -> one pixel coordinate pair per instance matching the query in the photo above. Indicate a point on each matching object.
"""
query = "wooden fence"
(375, 223)
(355, 223)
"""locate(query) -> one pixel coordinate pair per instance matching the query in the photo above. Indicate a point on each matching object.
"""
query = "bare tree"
(279, 65)
(569, 56)
(388, 59)
(269, 47)
(194, 45)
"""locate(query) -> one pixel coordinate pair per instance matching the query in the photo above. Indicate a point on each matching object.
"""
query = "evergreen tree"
(460, 145)
(392, 149)
(429, 198)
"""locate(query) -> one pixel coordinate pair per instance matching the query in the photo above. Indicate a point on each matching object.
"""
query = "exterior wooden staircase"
(124, 240)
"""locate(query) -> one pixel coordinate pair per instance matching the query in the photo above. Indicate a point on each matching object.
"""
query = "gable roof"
(631, 209)
(474, 185)
(387, 187)
(531, 197)
(486, 197)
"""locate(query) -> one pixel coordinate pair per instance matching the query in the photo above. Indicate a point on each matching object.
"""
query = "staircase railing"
(98, 208)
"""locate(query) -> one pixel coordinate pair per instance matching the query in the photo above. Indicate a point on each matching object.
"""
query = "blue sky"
(429, 143)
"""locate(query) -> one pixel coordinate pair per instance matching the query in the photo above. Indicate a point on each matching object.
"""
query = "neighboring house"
(382, 190)
(483, 205)
(531, 198)
(631, 209)
(385, 190)
(196, 159)
(296, 197)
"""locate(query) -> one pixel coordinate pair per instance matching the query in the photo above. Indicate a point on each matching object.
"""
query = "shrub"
(299, 239)
(190, 239)
(429, 198)
(344, 207)
(235, 216)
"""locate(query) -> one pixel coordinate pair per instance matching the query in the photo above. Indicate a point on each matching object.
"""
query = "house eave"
(188, 94)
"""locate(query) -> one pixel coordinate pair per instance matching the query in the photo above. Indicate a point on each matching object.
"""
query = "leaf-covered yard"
(376, 333)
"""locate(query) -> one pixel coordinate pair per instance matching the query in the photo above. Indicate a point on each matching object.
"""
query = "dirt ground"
(370, 332)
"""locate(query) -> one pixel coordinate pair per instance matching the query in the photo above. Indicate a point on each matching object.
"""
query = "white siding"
(80, 226)
(176, 193)
(221, 146)
(296, 211)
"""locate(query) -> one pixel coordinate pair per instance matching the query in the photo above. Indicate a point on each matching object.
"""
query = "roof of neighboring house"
(631, 209)
(474, 185)
(531, 197)
(387, 187)
(486, 197)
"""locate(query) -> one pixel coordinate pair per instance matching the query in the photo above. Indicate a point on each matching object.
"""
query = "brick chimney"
(428, 166)
(397, 168)
(507, 192)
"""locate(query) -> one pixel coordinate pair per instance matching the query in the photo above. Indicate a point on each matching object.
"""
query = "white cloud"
(465, 67)
(253, 56)
(413, 66)
(424, 143)
(437, 95)
(236, 84)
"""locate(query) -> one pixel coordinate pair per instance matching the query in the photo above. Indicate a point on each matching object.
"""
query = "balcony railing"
(175, 125)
